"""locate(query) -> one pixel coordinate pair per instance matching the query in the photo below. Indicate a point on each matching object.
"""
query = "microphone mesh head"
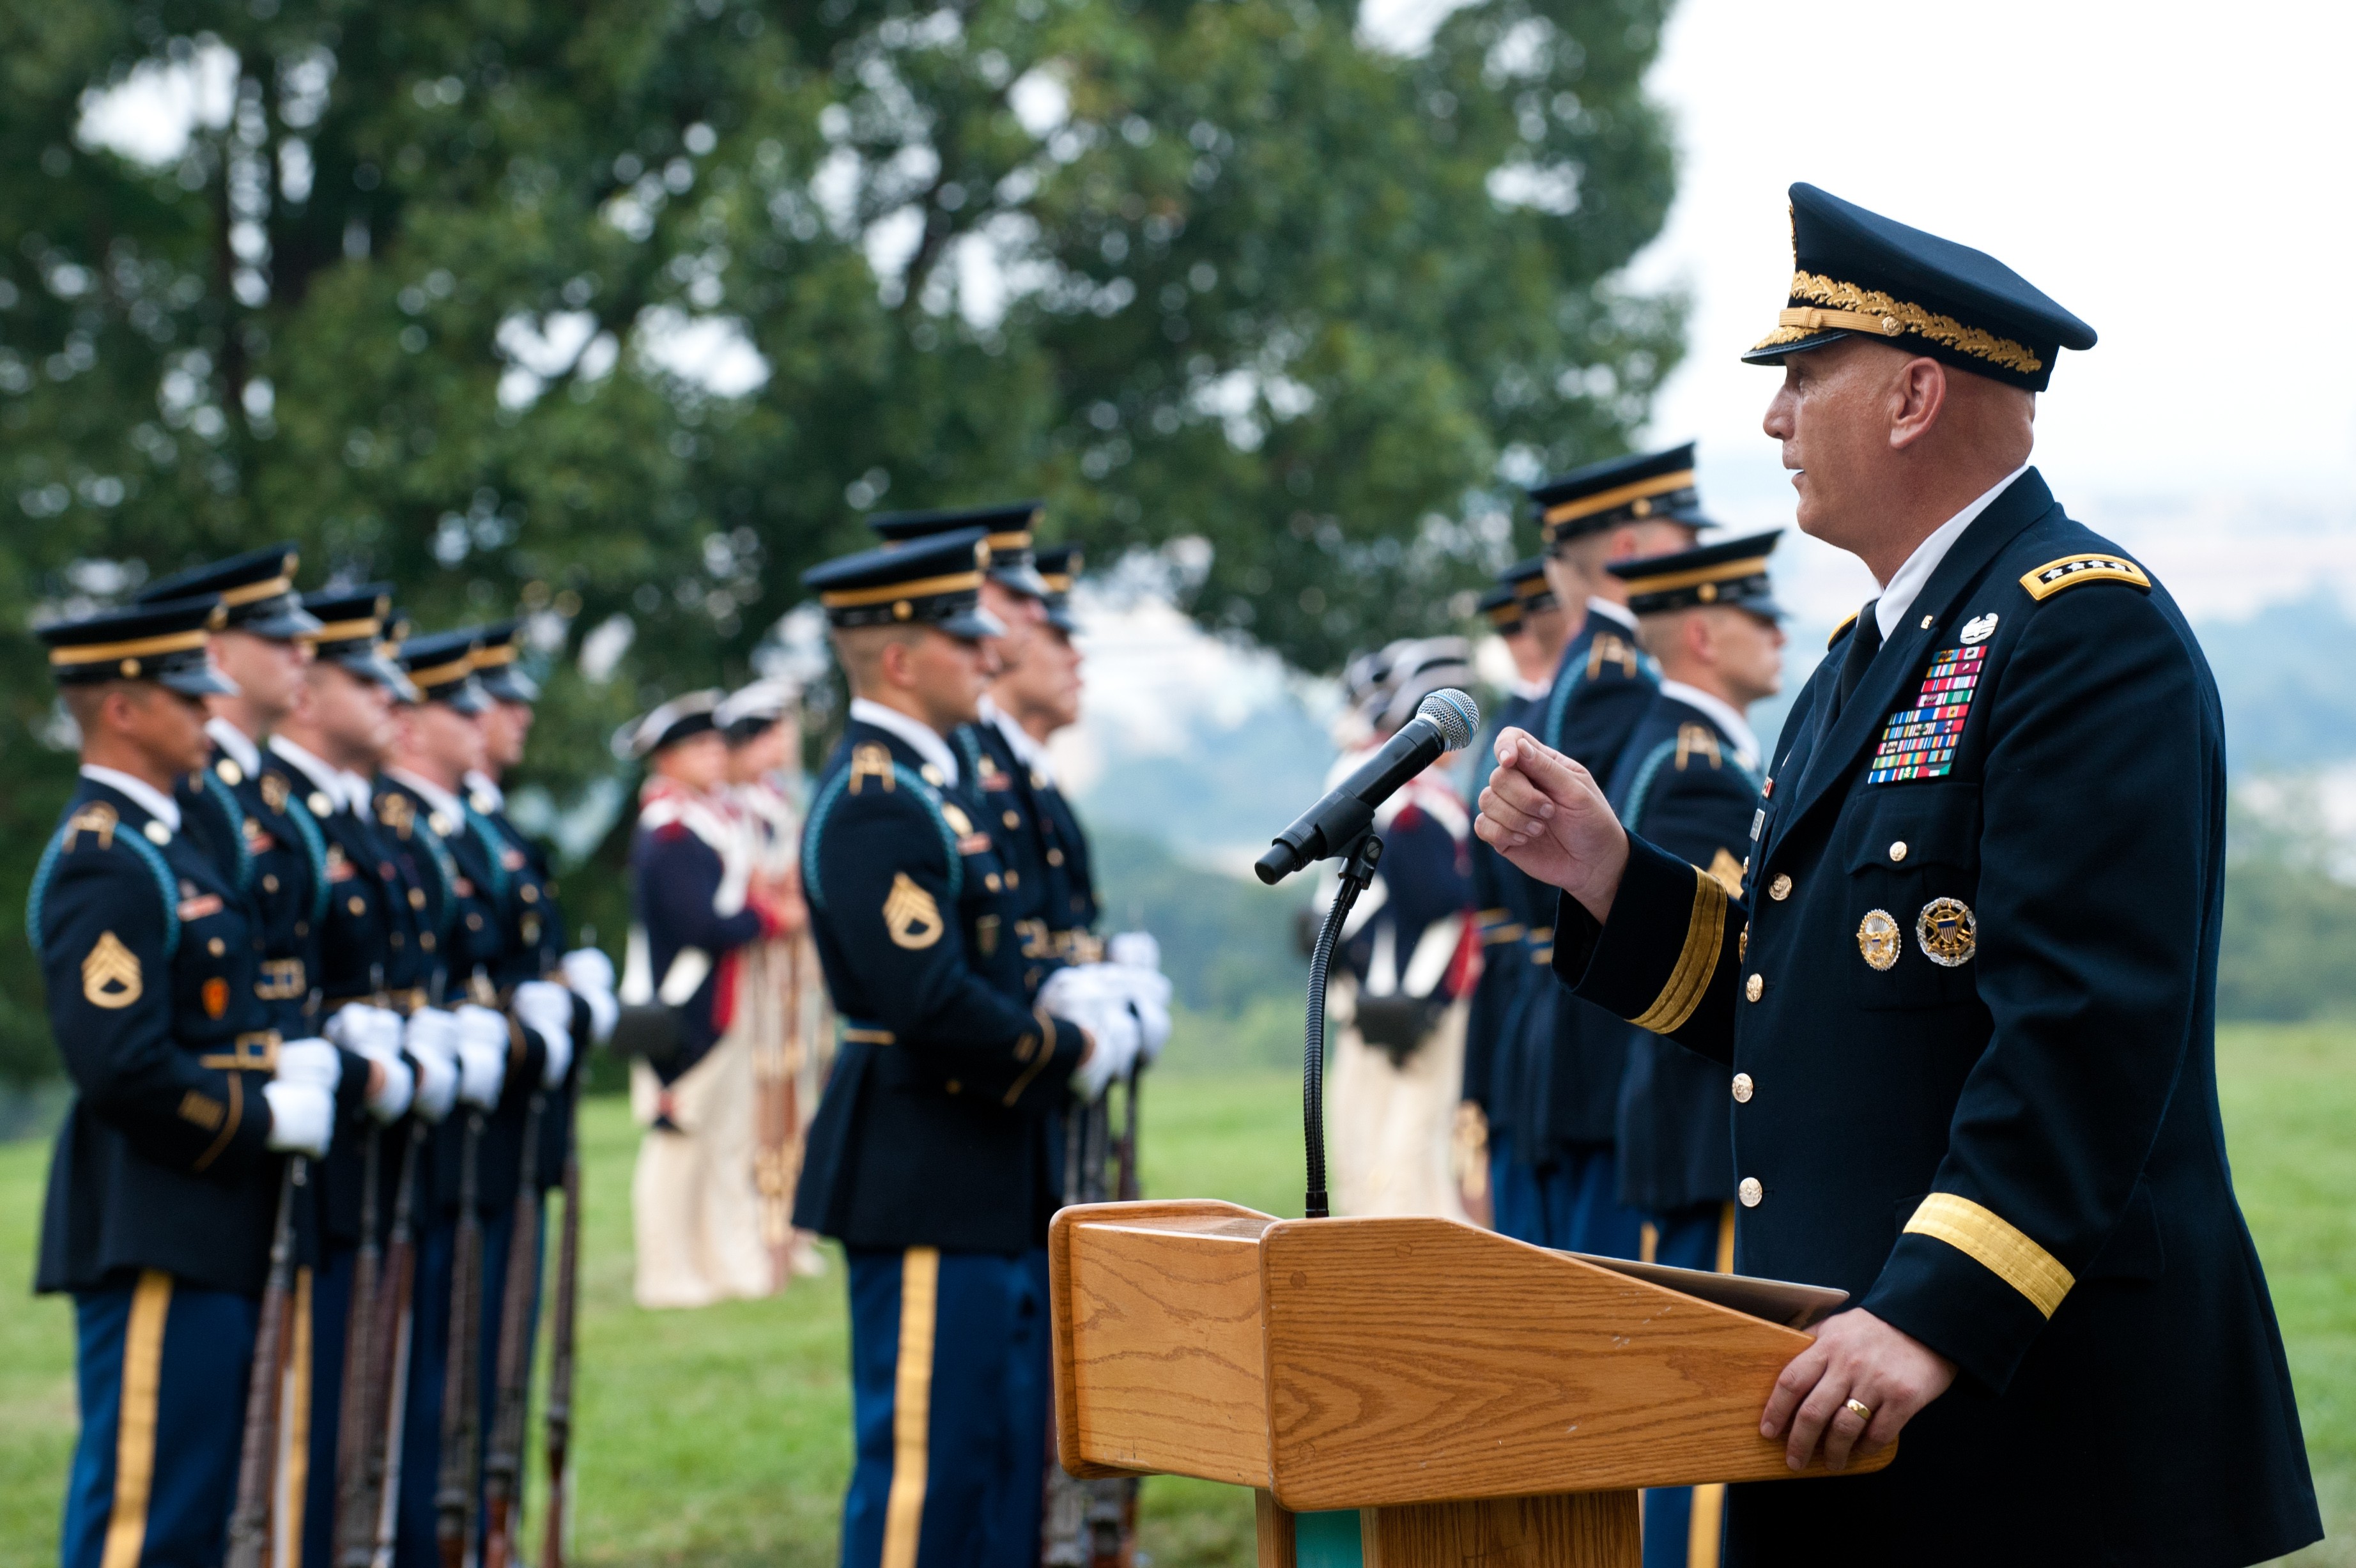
(1455, 714)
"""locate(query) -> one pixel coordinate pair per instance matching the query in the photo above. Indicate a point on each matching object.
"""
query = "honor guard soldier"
(1038, 705)
(371, 973)
(1522, 609)
(1966, 999)
(504, 1067)
(1689, 782)
(1607, 511)
(929, 1157)
(163, 1193)
(1015, 596)
(264, 836)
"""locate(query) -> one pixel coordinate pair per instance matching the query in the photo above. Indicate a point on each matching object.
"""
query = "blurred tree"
(628, 311)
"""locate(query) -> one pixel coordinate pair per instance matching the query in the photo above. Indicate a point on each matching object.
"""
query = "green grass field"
(722, 1437)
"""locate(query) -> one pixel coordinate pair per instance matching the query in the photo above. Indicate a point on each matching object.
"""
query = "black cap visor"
(285, 621)
(972, 623)
(1022, 577)
(197, 677)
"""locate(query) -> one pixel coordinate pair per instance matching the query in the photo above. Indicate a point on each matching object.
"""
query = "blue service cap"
(354, 633)
(932, 579)
(1502, 608)
(1007, 528)
(1857, 272)
(1729, 572)
(441, 665)
(1654, 486)
(497, 647)
(256, 590)
(163, 642)
(1060, 566)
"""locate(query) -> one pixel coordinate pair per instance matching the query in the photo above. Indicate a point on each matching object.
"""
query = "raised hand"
(1547, 815)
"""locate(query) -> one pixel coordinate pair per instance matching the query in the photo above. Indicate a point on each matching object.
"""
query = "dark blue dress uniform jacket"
(934, 1129)
(1679, 784)
(1500, 914)
(149, 956)
(536, 940)
(1017, 824)
(1604, 687)
(260, 830)
(675, 879)
(463, 885)
(2016, 1156)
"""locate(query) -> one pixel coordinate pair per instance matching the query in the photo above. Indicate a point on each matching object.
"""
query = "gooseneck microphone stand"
(1358, 858)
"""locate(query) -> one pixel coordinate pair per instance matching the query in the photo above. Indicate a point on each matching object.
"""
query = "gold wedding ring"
(1861, 1411)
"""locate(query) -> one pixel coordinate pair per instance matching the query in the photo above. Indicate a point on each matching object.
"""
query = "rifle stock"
(370, 1541)
(257, 1469)
(355, 1414)
(453, 1493)
(503, 1469)
(560, 1357)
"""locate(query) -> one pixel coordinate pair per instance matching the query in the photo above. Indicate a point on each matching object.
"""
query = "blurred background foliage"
(626, 312)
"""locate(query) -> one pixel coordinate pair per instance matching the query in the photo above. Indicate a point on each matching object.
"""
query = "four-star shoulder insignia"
(911, 915)
(110, 974)
(2055, 575)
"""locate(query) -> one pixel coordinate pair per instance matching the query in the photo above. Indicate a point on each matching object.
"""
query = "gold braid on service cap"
(1844, 307)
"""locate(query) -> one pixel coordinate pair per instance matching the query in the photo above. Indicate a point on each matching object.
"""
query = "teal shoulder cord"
(222, 797)
(833, 792)
(315, 844)
(164, 883)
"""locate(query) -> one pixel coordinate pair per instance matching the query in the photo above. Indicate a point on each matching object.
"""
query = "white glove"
(365, 1030)
(483, 1044)
(302, 1097)
(546, 1009)
(1094, 997)
(591, 973)
(430, 1039)
(1136, 957)
(375, 1033)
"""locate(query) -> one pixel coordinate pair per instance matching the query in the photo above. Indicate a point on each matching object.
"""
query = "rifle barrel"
(257, 1470)
(372, 1544)
(357, 1415)
(560, 1337)
(503, 1469)
(453, 1493)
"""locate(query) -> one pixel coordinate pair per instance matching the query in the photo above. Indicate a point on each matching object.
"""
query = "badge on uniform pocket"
(1947, 933)
(1878, 939)
(910, 915)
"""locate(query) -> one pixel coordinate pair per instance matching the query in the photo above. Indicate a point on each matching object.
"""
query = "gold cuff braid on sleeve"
(1696, 962)
(1987, 1238)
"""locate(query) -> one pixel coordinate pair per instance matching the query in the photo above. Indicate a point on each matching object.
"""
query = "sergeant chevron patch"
(1919, 742)
(910, 915)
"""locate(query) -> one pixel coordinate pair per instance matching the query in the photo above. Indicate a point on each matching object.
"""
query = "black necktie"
(1863, 643)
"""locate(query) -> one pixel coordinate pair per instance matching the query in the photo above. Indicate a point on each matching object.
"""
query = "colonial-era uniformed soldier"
(162, 1191)
(264, 836)
(1966, 999)
(1688, 781)
(1607, 511)
(1523, 610)
(928, 1158)
(371, 973)
(698, 900)
(504, 1068)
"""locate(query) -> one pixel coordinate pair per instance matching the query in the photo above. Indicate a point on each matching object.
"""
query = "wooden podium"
(1473, 1399)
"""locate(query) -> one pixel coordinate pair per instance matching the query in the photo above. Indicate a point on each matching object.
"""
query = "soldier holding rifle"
(164, 1195)
(1965, 999)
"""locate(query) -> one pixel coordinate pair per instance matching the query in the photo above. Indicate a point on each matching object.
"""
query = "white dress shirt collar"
(1618, 614)
(1722, 713)
(322, 773)
(1528, 691)
(236, 742)
(1028, 752)
(154, 802)
(925, 740)
(1898, 593)
(482, 784)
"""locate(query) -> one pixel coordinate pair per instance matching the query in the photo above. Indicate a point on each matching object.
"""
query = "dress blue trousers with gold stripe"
(948, 1364)
(1685, 1526)
(161, 1371)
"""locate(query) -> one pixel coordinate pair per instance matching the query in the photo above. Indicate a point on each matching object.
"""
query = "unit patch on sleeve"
(1919, 742)
(2056, 575)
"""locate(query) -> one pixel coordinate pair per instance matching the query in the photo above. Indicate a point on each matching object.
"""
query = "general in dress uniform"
(1622, 507)
(1966, 999)
(163, 1187)
(1688, 781)
(928, 1158)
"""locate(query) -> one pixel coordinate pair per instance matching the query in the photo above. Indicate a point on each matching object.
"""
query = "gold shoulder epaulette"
(1846, 622)
(2055, 575)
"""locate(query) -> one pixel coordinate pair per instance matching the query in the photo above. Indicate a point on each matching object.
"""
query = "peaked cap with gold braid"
(256, 590)
(1656, 486)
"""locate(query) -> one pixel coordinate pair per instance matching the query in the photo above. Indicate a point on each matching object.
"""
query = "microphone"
(1445, 722)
